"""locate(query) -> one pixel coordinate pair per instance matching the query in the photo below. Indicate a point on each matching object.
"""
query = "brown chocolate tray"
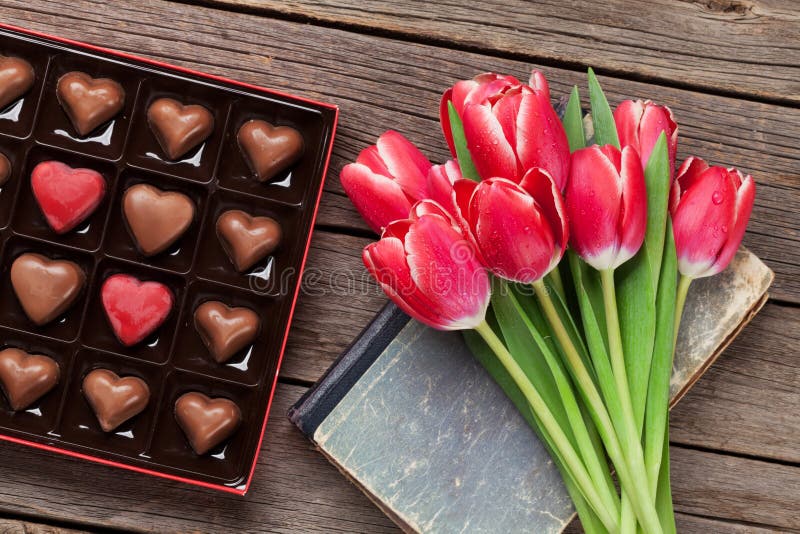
(196, 269)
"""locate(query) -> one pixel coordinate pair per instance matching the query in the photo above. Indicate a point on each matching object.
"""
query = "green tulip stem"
(558, 284)
(634, 483)
(680, 301)
(548, 421)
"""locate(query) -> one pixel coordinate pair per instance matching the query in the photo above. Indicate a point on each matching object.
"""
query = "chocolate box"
(216, 177)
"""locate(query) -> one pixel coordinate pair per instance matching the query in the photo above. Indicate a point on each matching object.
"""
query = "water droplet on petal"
(716, 197)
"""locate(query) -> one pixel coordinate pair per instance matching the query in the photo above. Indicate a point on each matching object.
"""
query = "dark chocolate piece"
(45, 288)
(114, 399)
(225, 331)
(269, 149)
(179, 128)
(26, 377)
(246, 239)
(156, 218)
(16, 78)
(5, 169)
(206, 422)
(89, 102)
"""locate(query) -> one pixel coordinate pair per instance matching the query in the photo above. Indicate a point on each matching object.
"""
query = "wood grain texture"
(381, 83)
(743, 47)
(13, 526)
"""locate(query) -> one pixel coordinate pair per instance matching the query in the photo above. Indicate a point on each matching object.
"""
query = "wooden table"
(730, 70)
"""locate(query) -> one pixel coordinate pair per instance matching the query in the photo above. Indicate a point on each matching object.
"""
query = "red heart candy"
(65, 195)
(134, 308)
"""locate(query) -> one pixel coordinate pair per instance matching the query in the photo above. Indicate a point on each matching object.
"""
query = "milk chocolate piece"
(206, 422)
(5, 169)
(114, 399)
(225, 331)
(45, 288)
(179, 128)
(16, 78)
(269, 149)
(89, 102)
(156, 218)
(26, 378)
(246, 239)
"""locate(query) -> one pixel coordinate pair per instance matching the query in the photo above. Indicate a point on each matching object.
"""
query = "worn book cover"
(410, 417)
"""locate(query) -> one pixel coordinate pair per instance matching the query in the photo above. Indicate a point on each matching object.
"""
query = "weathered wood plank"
(381, 83)
(13, 526)
(296, 490)
(745, 47)
(699, 525)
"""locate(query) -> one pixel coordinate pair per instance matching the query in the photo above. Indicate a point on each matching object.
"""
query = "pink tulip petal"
(633, 218)
(702, 221)
(514, 238)
(656, 119)
(689, 172)
(593, 198)
(541, 140)
(377, 198)
(627, 117)
(538, 83)
(506, 110)
(745, 196)
(543, 189)
(405, 162)
(444, 120)
(491, 152)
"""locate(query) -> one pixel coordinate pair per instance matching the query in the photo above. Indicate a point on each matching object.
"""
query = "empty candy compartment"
(119, 241)
(79, 423)
(28, 218)
(226, 463)
(54, 127)
(98, 332)
(17, 118)
(277, 273)
(144, 149)
(40, 418)
(291, 185)
(12, 315)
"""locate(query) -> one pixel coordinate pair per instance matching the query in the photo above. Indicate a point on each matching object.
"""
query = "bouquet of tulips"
(563, 247)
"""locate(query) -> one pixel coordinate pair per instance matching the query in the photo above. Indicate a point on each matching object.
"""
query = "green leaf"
(637, 282)
(468, 169)
(605, 129)
(666, 513)
(656, 418)
(573, 121)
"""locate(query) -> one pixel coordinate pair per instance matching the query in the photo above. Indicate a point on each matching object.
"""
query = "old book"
(411, 418)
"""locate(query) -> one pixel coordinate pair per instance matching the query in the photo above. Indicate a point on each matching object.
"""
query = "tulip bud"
(606, 205)
(430, 271)
(639, 124)
(386, 179)
(509, 127)
(710, 208)
(520, 230)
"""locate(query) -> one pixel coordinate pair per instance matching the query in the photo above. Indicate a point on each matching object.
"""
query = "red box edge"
(95, 459)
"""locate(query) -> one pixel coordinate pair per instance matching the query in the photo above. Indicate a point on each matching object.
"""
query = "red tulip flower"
(606, 205)
(710, 207)
(639, 124)
(386, 179)
(521, 230)
(509, 127)
(440, 181)
(427, 267)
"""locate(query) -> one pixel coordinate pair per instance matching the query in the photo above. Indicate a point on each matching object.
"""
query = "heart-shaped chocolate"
(89, 102)
(206, 422)
(179, 128)
(269, 149)
(114, 399)
(135, 309)
(65, 195)
(156, 218)
(25, 377)
(5, 169)
(225, 331)
(45, 288)
(246, 239)
(16, 78)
